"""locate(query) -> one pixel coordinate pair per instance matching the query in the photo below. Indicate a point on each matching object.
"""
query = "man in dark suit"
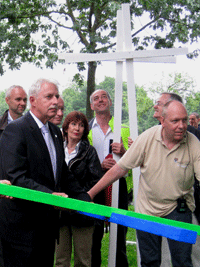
(28, 229)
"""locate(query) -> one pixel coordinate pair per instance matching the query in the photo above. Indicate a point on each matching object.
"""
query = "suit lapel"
(37, 135)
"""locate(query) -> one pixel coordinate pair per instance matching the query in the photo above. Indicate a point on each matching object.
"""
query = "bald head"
(16, 98)
(173, 106)
(100, 102)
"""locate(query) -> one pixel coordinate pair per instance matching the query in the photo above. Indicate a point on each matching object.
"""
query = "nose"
(101, 98)
(55, 100)
(181, 124)
(77, 127)
(156, 105)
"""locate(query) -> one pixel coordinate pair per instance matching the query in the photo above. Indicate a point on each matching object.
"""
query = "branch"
(78, 31)
(145, 26)
(90, 16)
(59, 24)
(106, 47)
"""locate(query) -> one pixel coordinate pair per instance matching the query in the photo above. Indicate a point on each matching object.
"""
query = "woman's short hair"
(76, 116)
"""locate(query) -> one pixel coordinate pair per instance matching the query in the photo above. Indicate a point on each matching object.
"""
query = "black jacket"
(3, 122)
(25, 161)
(82, 173)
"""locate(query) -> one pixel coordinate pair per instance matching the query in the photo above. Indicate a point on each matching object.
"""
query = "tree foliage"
(179, 83)
(192, 103)
(3, 105)
(30, 30)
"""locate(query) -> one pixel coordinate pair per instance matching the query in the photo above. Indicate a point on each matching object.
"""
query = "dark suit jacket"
(25, 161)
(3, 121)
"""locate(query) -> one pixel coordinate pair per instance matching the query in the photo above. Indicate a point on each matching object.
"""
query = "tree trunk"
(90, 88)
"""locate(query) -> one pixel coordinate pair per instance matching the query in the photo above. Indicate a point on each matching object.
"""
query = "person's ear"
(32, 99)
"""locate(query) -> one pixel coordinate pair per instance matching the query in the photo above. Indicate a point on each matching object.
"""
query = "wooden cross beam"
(159, 56)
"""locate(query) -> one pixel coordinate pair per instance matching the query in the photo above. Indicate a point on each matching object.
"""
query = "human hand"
(118, 148)
(108, 163)
(130, 141)
(60, 194)
(8, 183)
(5, 182)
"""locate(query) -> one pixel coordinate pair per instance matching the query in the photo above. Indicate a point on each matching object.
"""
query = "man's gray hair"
(9, 90)
(173, 96)
(36, 87)
(91, 96)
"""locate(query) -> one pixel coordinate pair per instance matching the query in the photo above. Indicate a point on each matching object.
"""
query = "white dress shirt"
(73, 154)
(101, 141)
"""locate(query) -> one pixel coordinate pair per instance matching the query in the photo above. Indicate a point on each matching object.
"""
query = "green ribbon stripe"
(69, 203)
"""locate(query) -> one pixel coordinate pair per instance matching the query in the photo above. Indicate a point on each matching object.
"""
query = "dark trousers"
(150, 245)
(1, 255)
(197, 199)
(18, 255)
(121, 257)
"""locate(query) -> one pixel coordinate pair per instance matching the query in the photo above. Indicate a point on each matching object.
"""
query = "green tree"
(145, 110)
(192, 103)
(179, 83)
(75, 98)
(3, 105)
(94, 22)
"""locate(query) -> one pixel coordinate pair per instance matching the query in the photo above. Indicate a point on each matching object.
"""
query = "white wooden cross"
(124, 52)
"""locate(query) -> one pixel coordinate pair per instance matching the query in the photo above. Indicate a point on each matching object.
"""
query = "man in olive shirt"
(168, 157)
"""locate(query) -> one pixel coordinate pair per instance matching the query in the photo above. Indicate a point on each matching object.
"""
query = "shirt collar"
(95, 123)
(9, 117)
(76, 147)
(39, 123)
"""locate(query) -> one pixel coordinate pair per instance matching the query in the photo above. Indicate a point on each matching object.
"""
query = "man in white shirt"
(100, 135)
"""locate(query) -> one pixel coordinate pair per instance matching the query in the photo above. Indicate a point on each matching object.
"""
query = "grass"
(131, 248)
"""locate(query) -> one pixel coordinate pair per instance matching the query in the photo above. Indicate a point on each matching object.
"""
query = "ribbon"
(179, 231)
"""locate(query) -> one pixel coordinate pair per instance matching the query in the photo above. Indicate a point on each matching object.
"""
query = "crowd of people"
(76, 161)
